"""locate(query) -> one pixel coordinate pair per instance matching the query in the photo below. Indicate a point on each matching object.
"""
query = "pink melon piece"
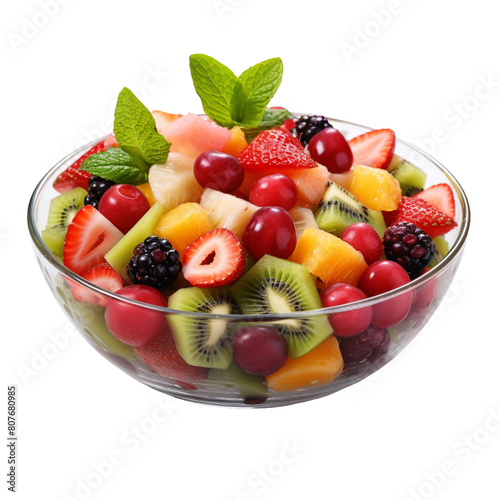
(163, 120)
(110, 141)
(193, 135)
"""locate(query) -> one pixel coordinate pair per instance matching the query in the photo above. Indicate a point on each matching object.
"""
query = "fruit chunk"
(339, 209)
(328, 257)
(318, 367)
(441, 197)
(237, 143)
(89, 237)
(422, 214)
(201, 341)
(302, 218)
(182, 225)
(375, 188)
(277, 286)
(119, 256)
(251, 387)
(227, 211)
(374, 148)
(216, 258)
(442, 247)
(62, 210)
(410, 178)
(72, 177)
(174, 183)
(147, 192)
(163, 120)
(192, 135)
(274, 148)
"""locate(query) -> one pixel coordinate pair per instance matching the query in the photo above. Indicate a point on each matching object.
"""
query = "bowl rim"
(450, 257)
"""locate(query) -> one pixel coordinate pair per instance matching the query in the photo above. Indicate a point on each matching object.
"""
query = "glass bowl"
(160, 366)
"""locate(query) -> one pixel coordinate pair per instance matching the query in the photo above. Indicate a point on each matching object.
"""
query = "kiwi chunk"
(339, 209)
(203, 342)
(278, 286)
(441, 248)
(250, 386)
(411, 178)
(61, 212)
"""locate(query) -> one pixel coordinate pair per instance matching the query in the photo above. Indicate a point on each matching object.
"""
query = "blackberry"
(154, 263)
(309, 125)
(97, 187)
(412, 248)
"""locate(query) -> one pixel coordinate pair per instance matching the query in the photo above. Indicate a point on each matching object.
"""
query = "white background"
(423, 426)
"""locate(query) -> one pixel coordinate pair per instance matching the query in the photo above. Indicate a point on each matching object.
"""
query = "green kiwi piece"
(442, 247)
(250, 386)
(61, 212)
(278, 286)
(203, 342)
(411, 178)
(339, 209)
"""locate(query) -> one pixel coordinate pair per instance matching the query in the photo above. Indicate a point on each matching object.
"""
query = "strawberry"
(103, 276)
(441, 197)
(422, 214)
(373, 149)
(162, 355)
(72, 177)
(216, 258)
(90, 236)
(275, 148)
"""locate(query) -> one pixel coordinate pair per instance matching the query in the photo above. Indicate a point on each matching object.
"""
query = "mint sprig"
(229, 100)
(118, 166)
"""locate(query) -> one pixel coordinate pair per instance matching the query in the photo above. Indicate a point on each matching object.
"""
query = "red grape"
(135, 325)
(346, 323)
(365, 239)
(330, 148)
(220, 171)
(271, 231)
(260, 350)
(123, 205)
(275, 190)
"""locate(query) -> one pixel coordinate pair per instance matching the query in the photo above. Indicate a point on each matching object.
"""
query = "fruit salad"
(246, 210)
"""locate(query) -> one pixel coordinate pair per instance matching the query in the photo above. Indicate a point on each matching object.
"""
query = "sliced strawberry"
(422, 214)
(373, 149)
(441, 197)
(90, 236)
(162, 355)
(216, 258)
(72, 177)
(275, 148)
(102, 275)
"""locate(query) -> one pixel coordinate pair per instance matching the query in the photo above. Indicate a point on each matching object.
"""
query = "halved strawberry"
(441, 197)
(374, 148)
(162, 355)
(275, 149)
(216, 258)
(72, 177)
(422, 214)
(102, 275)
(90, 236)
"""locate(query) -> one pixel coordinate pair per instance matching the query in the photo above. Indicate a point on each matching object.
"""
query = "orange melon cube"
(321, 365)
(328, 257)
(182, 225)
(147, 192)
(237, 143)
(375, 187)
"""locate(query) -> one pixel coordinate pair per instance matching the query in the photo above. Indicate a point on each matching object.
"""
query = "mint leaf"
(117, 166)
(135, 130)
(260, 83)
(214, 83)
(271, 118)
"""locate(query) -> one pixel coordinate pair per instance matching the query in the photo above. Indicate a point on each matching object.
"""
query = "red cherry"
(365, 239)
(380, 277)
(347, 323)
(134, 325)
(123, 205)
(271, 231)
(220, 171)
(330, 148)
(276, 190)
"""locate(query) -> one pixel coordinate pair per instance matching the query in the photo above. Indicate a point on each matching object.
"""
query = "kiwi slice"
(203, 342)
(61, 212)
(441, 248)
(411, 178)
(278, 286)
(339, 209)
(250, 386)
